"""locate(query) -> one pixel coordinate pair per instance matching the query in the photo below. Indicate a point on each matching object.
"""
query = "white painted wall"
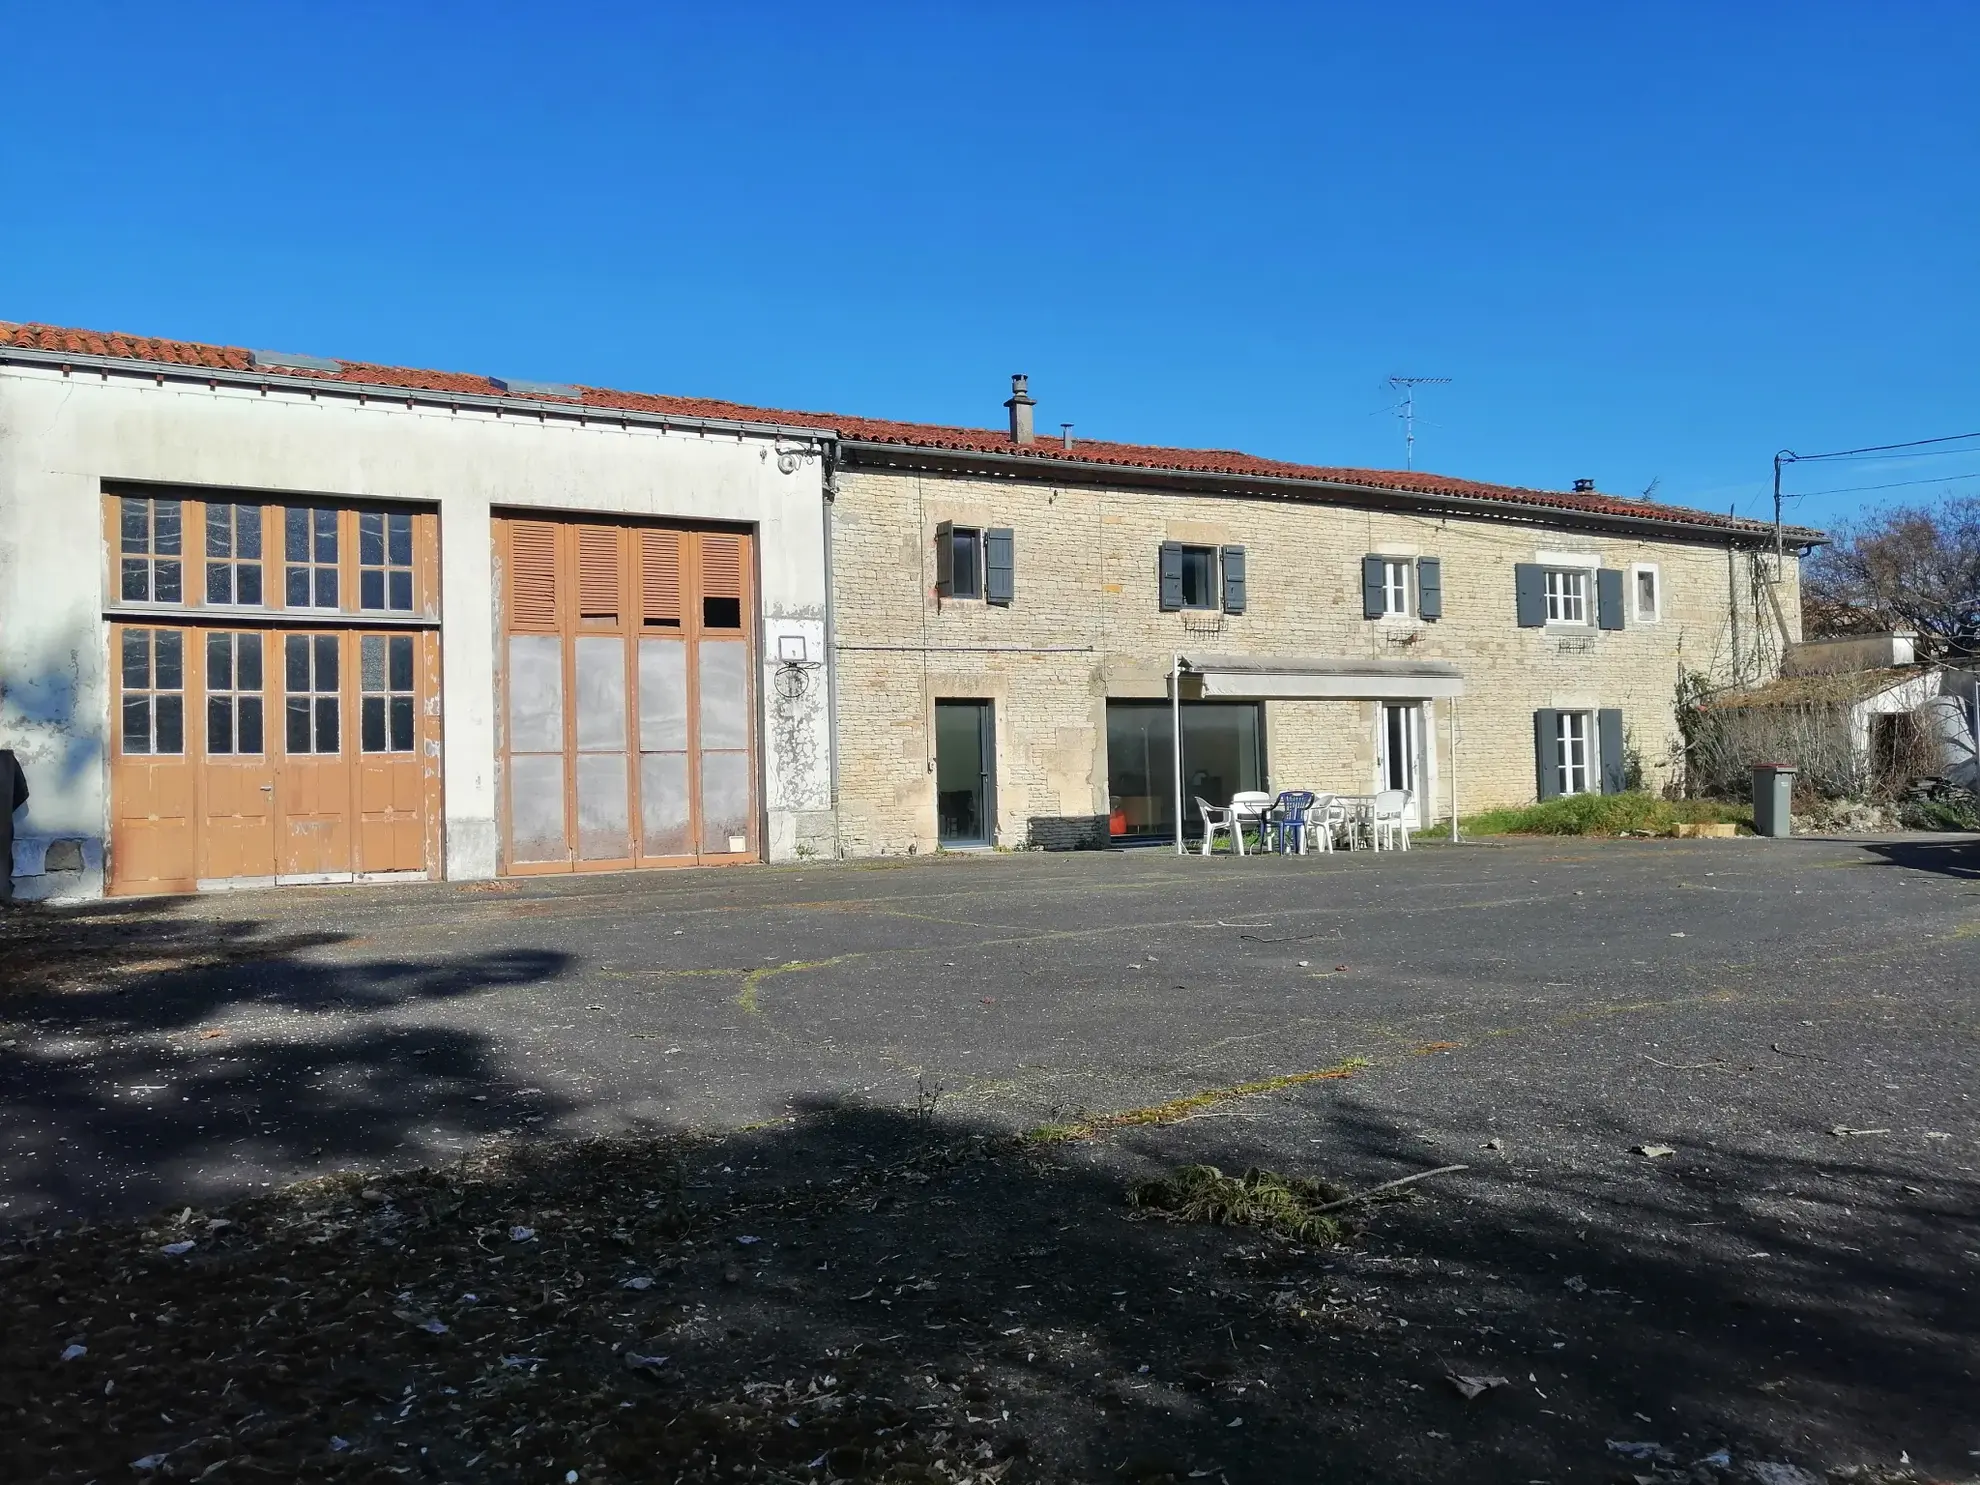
(62, 437)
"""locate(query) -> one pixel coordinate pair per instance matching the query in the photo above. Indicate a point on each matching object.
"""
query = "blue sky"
(1644, 242)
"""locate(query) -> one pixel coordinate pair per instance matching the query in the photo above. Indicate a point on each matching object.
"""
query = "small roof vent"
(1584, 487)
(517, 386)
(291, 361)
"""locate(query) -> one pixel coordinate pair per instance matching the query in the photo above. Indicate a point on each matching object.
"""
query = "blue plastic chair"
(1288, 820)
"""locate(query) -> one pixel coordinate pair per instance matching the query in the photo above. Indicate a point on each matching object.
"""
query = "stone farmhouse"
(271, 618)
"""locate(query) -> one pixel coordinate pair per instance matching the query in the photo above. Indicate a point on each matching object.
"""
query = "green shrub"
(1258, 1198)
(1606, 814)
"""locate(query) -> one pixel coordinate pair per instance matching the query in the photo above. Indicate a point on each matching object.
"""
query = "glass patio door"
(965, 759)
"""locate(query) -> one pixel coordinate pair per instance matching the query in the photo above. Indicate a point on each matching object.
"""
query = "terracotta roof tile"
(1225, 462)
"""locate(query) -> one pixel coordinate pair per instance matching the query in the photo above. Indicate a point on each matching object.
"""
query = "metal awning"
(1323, 678)
(1291, 677)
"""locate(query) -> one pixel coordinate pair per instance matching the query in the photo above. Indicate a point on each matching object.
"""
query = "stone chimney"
(1021, 403)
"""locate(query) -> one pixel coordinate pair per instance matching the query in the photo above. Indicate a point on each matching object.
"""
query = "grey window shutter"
(1171, 575)
(945, 559)
(1546, 752)
(1429, 588)
(999, 565)
(1608, 598)
(1233, 580)
(1530, 594)
(1371, 588)
(1609, 742)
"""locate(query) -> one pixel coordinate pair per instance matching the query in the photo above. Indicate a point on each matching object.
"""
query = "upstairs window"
(149, 542)
(1401, 587)
(1647, 596)
(309, 551)
(1193, 577)
(385, 561)
(233, 554)
(1567, 595)
(1199, 577)
(1395, 585)
(958, 561)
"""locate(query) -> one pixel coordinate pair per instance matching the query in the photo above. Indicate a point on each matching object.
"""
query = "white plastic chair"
(1386, 823)
(1214, 820)
(1249, 805)
(1322, 816)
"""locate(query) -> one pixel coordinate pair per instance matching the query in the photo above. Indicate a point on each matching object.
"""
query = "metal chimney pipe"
(1020, 403)
(1065, 435)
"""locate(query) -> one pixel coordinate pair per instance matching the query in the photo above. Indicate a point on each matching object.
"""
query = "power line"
(1789, 456)
(1880, 448)
(1937, 479)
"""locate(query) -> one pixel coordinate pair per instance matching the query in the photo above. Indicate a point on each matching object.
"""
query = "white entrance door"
(1399, 754)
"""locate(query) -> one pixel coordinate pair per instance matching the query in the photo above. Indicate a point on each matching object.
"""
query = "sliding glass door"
(1223, 754)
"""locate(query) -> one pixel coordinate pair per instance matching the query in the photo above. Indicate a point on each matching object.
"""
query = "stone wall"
(1086, 625)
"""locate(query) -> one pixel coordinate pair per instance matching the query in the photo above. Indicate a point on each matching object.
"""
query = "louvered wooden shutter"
(660, 578)
(598, 572)
(1530, 594)
(1429, 588)
(1608, 598)
(1546, 752)
(1233, 580)
(532, 575)
(999, 565)
(1171, 576)
(945, 559)
(1374, 588)
(1610, 748)
(721, 567)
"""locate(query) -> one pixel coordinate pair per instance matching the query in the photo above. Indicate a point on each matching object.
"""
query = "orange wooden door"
(313, 787)
(236, 838)
(628, 697)
(153, 779)
(392, 764)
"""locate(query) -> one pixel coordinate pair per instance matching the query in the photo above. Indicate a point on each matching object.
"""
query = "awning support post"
(1175, 739)
(1450, 727)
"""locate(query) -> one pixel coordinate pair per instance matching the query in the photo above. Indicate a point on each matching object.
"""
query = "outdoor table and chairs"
(1298, 820)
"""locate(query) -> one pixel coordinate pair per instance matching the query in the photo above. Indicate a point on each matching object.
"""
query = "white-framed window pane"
(1646, 593)
(1567, 597)
(1395, 587)
(1571, 751)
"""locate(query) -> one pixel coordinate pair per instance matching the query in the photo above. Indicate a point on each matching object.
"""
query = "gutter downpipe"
(829, 490)
(1175, 739)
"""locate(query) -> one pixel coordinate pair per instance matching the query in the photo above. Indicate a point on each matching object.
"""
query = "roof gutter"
(579, 412)
(1286, 487)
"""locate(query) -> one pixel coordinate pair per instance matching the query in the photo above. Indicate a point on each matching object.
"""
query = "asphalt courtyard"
(1573, 998)
(1715, 1101)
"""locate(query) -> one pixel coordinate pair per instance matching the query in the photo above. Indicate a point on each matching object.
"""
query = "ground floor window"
(1572, 752)
(1223, 754)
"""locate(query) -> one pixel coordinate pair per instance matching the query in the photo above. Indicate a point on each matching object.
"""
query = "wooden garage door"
(626, 696)
(275, 714)
(264, 756)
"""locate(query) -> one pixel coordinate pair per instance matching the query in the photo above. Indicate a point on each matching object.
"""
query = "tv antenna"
(1407, 385)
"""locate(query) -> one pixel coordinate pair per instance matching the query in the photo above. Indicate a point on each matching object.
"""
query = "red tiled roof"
(1225, 462)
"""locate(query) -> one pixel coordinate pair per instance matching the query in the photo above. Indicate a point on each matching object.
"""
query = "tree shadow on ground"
(69, 946)
(872, 1294)
(1953, 858)
(203, 1056)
